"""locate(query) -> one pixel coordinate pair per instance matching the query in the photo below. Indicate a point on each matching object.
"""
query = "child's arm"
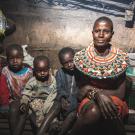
(55, 109)
(60, 85)
(26, 96)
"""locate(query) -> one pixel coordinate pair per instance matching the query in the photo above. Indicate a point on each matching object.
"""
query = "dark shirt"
(66, 86)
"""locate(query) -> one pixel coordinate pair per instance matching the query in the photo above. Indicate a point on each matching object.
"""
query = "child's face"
(15, 60)
(41, 71)
(67, 61)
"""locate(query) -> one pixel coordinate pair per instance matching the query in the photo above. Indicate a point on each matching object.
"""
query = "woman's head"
(102, 32)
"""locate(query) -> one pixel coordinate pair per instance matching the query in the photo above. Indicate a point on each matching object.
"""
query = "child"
(16, 76)
(3, 99)
(40, 91)
(67, 88)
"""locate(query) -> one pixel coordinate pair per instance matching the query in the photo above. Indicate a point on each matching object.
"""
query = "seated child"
(40, 91)
(14, 77)
(67, 88)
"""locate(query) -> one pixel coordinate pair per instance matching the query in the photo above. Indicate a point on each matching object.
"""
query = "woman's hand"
(106, 106)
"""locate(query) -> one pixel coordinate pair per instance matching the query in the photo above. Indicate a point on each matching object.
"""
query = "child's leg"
(49, 118)
(21, 124)
(16, 119)
(68, 123)
(13, 115)
(33, 123)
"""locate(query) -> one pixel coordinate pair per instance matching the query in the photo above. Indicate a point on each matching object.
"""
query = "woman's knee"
(92, 115)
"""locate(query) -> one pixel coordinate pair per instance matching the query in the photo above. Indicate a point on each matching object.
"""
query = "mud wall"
(50, 25)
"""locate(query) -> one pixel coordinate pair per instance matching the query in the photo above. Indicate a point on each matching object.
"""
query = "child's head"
(14, 55)
(41, 68)
(66, 56)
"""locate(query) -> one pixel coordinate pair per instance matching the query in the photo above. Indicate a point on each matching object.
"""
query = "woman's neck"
(102, 51)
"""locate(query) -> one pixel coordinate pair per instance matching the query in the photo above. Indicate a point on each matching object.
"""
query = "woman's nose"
(101, 34)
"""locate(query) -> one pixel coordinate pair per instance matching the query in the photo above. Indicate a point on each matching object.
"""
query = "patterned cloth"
(40, 96)
(121, 105)
(17, 81)
(4, 92)
(95, 66)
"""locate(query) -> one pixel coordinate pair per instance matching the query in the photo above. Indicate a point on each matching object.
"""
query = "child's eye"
(107, 31)
(96, 31)
(41, 70)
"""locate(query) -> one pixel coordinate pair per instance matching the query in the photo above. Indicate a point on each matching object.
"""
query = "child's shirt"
(36, 91)
(16, 81)
(4, 94)
(66, 86)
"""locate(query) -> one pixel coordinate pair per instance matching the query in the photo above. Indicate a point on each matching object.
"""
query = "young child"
(67, 88)
(15, 75)
(40, 91)
(3, 99)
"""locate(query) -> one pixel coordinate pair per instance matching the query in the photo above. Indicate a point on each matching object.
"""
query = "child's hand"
(65, 104)
(23, 108)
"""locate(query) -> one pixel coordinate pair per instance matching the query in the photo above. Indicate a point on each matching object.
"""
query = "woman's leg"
(113, 127)
(87, 122)
(91, 122)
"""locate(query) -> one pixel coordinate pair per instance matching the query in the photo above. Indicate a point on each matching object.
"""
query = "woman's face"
(102, 33)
